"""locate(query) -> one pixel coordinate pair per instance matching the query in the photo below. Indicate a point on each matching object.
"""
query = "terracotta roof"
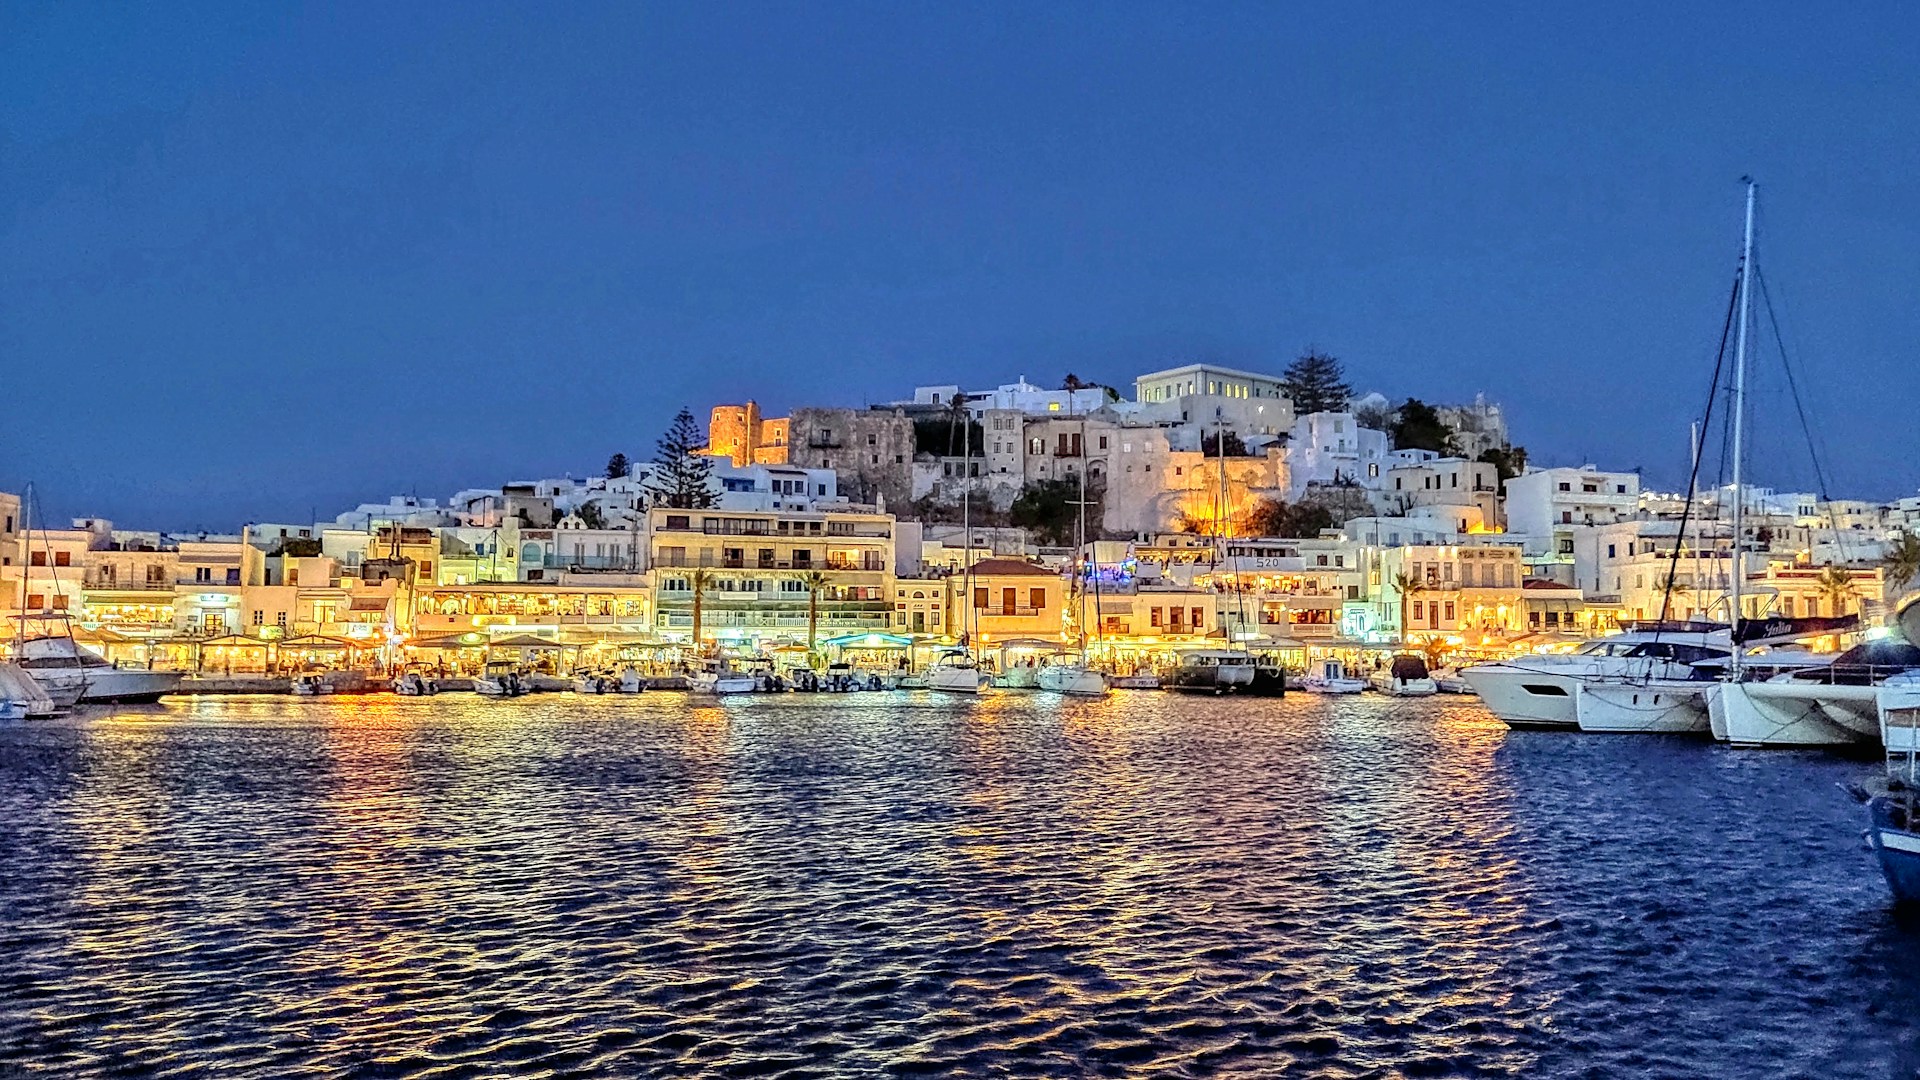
(1543, 583)
(1009, 568)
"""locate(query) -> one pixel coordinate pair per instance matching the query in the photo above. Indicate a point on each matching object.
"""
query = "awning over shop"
(451, 641)
(523, 641)
(234, 641)
(322, 642)
(368, 603)
(869, 641)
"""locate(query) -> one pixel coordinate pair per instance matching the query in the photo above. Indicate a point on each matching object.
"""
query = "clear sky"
(259, 260)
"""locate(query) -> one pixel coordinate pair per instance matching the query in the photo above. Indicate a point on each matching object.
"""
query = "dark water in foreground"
(867, 884)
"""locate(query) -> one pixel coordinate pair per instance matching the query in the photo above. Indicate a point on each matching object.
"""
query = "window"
(1103, 442)
(1566, 487)
(1153, 617)
(1449, 610)
(36, 558)
(1619, 489)
(1194, 617)
(259, 618)
(1566, 517)
(280, 619)
(60, 601)
(1610, 551)
(203, 574)
(980, 598)
(63, 558)
(679, 521)
(1037, 598)
(233, 574)
(1419, 610)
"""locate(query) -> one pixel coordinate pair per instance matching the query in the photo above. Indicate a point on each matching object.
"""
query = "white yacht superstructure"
(1540, 691)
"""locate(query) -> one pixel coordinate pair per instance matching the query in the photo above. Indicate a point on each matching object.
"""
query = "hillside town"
(1202, 507)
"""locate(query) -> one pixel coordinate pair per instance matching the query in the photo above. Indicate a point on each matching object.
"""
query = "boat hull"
(1073, 680)
(1896, 848)
(1791, 714)
(955, 680)
(1524, 698)
(1642, 708)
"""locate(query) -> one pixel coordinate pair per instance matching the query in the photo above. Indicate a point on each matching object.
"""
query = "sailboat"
(956, 671)
(1072, 674)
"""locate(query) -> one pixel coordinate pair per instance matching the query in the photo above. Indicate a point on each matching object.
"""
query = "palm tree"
(1903, 563)
(815, 581)
(1836, 585)
(1406, 585)
(702, 577)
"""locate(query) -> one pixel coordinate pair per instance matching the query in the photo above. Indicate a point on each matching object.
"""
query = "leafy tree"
(590, 515)
(1508, 462)
(682, 477)
(1419, 427)
(1903, 563)
(1374, 417)
(1316, 383)
(618, 466)
(1072, 382)
(1272, 517)
(1049, 509)
(1210, 445)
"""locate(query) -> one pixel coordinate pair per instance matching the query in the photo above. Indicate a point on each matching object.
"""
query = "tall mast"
(1739, 411)
(1080, 537)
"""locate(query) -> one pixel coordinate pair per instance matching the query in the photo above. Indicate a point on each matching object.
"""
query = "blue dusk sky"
(262, 260)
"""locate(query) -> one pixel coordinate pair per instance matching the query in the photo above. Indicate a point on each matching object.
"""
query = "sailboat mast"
(1080, 538)
(1739, 415)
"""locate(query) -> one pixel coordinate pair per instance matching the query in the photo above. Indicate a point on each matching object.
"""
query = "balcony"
(823, 442)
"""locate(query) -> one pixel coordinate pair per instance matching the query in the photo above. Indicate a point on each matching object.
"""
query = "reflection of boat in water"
(1405, 676)
(1212, 671)
(1139, 680)
(57, 664)
(1330, 677)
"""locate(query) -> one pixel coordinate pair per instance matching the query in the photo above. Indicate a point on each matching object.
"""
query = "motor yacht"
(1405, 676)
(719, 677)
(1539, 691)
(72, 674)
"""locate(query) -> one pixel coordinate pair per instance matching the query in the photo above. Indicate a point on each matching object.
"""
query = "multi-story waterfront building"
(756, 573)
(1011, 598)
(1544, 506)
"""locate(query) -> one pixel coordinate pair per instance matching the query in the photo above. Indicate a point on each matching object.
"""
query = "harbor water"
(866, 884)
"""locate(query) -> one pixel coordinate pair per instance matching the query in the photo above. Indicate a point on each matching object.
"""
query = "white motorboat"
(1213, 671)
(1330, 677)
(72, 674)
(414, 684)
(19, 688)
(1665, 706)
(1018, 677)
(1448, 681)
(593, 682)
(310, 686)
(630, 681)
(1539, 691)
(956, 673)
(719, 677)
(1072, 677)
(501, 679)
(1405, 676)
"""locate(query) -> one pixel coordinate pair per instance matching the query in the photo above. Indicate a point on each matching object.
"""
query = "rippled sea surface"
(876, 883)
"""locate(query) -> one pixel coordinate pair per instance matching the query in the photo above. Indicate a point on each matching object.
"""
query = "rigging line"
(1799, 407)
(1693, 478)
